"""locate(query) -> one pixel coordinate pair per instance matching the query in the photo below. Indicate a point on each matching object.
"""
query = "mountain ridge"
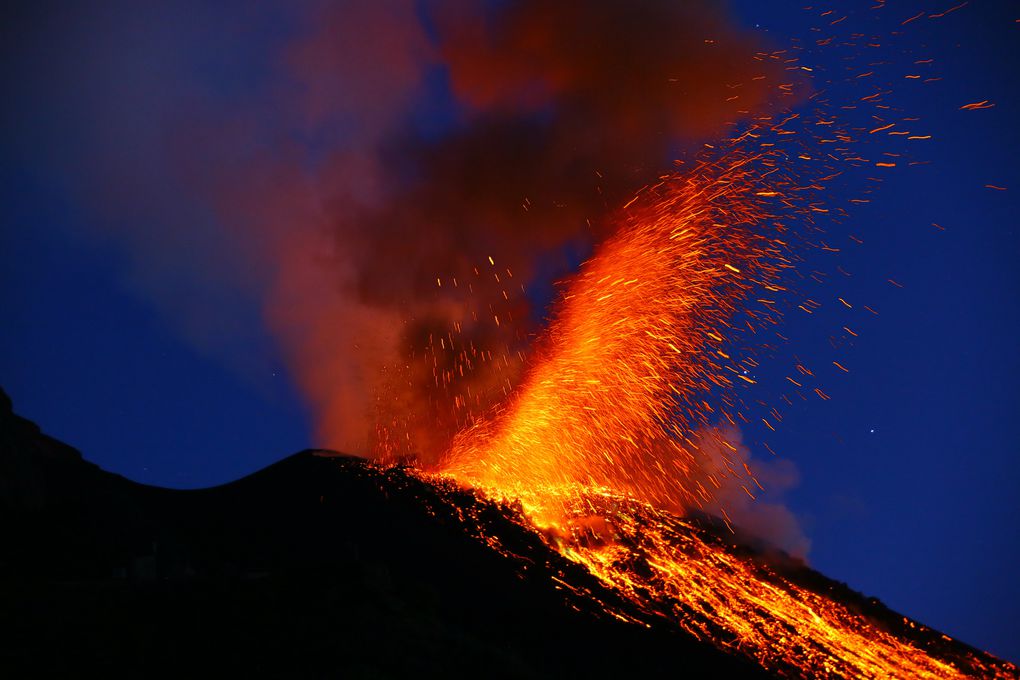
(305, 568)
(324, 564)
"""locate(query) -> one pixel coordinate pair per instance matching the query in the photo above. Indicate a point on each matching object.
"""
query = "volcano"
(325, 564)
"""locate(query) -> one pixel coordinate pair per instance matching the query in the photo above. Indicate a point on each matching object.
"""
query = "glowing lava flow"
(599, 445)
(611, 399)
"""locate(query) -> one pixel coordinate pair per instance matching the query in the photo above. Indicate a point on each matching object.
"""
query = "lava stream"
(600, 443)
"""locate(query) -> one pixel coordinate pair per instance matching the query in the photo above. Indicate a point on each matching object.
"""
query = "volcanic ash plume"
(385, 181)
(417, 320)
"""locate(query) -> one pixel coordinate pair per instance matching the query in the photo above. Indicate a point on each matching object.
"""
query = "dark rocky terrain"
(323, 565)
(318, 566)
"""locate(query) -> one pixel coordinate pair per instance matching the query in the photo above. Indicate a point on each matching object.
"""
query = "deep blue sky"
(909, 473)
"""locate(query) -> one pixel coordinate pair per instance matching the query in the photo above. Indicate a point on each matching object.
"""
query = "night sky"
(126, 334)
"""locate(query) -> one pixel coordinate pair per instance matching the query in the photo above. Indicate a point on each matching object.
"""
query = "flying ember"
(612, 400)
(616, 442)
(607, 444)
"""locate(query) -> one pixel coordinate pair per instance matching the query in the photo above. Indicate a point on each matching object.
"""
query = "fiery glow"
(670, 566)
(608, 446)
(612, 397)
(602, 446)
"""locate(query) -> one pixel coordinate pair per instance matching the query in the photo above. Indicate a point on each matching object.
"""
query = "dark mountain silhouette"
(318, 566)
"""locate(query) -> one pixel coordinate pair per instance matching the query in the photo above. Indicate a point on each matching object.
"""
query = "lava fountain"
(601, 448)
(613, 397)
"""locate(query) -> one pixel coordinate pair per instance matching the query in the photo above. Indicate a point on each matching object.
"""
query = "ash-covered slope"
(318, 566)
(322, 565)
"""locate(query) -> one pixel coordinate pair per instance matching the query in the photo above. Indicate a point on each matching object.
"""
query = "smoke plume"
(414, 319)
(750, 493)
(384, 181)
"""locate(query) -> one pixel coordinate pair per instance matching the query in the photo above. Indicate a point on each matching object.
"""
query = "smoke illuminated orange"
(599, 446)
(611, 400)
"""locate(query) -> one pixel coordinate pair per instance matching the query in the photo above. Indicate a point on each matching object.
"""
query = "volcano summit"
(327, 565)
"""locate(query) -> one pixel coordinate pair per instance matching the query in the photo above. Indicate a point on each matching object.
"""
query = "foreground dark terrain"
(314, 567)
(318, 566)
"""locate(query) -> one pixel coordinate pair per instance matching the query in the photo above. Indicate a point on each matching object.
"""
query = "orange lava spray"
(612, 397)
(599, 445)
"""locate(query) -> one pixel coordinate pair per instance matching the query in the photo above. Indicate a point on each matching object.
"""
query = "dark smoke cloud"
(329, 163)
(560, 111)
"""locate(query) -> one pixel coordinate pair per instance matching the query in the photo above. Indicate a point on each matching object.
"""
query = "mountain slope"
(324, 565)
(318, 565)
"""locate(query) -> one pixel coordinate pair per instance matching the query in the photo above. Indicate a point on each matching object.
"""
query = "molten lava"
(599, 446)
(613, 396)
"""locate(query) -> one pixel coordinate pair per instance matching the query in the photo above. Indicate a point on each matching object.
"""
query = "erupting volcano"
(613, 397)
(529, 269)
(599, 450)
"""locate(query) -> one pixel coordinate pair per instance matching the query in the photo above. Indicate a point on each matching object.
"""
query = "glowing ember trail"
(610, 400)
(608, 447)
(599, 446)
